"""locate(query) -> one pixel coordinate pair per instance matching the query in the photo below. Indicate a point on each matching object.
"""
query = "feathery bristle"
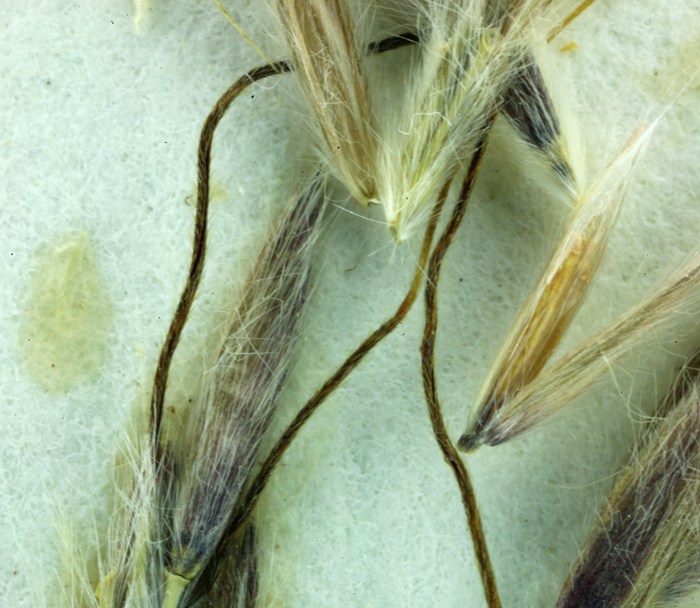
(137, 549)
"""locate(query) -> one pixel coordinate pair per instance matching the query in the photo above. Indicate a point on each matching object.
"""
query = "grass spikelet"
(469, 58)
(132, 574)
(241, 390)
(644, 550)
(175, 505)
(561, 289)
(531, 109)
(328, 60)
(569, 377)
(238, 583)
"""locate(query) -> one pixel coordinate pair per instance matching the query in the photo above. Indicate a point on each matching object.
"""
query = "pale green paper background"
(98, 132)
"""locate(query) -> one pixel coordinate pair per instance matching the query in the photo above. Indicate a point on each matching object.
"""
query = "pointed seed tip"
(396, 232)
(469, 443)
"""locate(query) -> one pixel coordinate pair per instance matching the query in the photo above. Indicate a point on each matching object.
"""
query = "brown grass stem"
(352, 361)
(574, 15)
(199, 242)
(209, 575)
(200, 230)
(449, 452)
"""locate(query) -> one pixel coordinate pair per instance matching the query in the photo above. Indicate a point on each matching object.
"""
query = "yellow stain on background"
(679, 72)
(67, 316)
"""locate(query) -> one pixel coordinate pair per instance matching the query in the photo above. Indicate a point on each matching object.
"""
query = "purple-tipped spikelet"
(551, 306)
(530, 109)
(237, 583)
(577, 371)
(177, 504)
(240, 392)
(644, 550)
(473, 53)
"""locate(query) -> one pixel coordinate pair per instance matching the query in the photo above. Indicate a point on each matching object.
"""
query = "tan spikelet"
(325, 53)
(559, 293)
(577, 371)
